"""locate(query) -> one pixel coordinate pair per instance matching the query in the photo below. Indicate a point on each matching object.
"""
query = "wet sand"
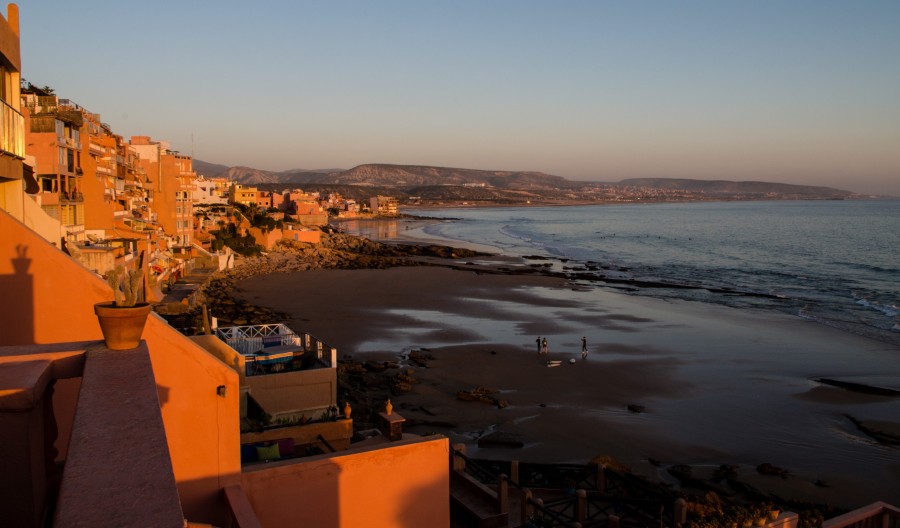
(718, 385)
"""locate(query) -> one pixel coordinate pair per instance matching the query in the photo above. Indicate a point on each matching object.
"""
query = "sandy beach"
(714, 385)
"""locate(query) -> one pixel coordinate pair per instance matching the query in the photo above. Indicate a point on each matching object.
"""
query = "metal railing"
(67, 196)
(253, 338)
(248, 339)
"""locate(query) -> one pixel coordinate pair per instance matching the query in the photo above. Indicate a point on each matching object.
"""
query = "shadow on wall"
(403, 484)
(17, 317)
(411, 512)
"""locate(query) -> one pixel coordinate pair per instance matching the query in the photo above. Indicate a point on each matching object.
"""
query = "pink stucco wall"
(403, 484)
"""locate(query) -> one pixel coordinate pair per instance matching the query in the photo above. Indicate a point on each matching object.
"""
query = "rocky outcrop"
(482, 394)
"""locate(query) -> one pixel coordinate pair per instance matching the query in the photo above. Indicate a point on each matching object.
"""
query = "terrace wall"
(295, 392)
(48, 298)
(405, 485)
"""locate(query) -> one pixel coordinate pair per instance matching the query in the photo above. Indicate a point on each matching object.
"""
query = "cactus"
(126, 285)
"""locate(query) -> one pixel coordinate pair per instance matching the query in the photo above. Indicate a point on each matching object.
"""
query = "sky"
(792, 91)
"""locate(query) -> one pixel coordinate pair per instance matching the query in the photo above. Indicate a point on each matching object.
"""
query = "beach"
(665, 382)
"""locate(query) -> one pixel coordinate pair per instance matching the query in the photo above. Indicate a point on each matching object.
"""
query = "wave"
(888, 310)
(869, 267)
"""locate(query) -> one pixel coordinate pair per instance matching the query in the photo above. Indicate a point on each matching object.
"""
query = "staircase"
(554, 495)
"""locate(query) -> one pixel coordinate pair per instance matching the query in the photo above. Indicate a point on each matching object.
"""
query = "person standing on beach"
(583, 347)
(544, 347)
(538, 341)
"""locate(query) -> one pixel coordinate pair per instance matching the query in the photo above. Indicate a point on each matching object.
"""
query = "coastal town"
(217, 412)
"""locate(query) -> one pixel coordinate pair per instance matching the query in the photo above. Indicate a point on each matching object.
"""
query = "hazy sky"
(792, 91)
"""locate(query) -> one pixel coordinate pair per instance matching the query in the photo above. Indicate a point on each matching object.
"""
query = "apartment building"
(53, 136)
(210, 191)
(384, 205)
(171, 180)
(240, 194)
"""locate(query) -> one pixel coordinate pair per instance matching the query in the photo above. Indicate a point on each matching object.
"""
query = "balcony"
(12, 131)
(47, 199)
(276, 348)
(71, 197)
(74, 231)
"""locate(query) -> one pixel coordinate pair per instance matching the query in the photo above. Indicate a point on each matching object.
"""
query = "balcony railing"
(75, 197)
(12, 134)
(878, 514)
(276, 345)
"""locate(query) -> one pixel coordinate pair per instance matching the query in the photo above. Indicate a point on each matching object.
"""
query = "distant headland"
(445, 186)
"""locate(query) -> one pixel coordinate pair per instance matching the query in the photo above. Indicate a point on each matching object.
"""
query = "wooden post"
(680, 512)
(527, 509)
(613, 521)
(514, 471)
(459, 464)
(580, 505)
(503, 494)
(207, 329)
(601, 478)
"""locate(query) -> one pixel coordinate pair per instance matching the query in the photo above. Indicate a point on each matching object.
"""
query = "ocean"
(835, 262)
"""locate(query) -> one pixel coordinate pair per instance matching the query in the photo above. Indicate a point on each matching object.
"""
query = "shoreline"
(687, 366)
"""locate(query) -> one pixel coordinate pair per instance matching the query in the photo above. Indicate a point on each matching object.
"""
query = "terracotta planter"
(122, 326)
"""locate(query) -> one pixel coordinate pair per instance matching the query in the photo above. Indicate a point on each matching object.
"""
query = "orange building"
(240, 194)
(53, 136)
(171, 183)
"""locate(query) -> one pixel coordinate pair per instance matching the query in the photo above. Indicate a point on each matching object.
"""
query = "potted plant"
(122, 320)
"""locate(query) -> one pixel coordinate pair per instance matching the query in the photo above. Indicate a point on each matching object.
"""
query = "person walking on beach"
(583, 347)
(538, 341)
(544, 347)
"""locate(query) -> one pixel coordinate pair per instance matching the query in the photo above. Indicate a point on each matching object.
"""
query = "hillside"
(424, 176)
(735, 188)
(383, 175)
(485, 186)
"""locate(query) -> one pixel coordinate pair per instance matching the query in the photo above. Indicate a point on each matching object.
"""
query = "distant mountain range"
(415, 179)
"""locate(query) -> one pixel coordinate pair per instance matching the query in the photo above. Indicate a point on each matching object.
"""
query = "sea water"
(836, 262)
